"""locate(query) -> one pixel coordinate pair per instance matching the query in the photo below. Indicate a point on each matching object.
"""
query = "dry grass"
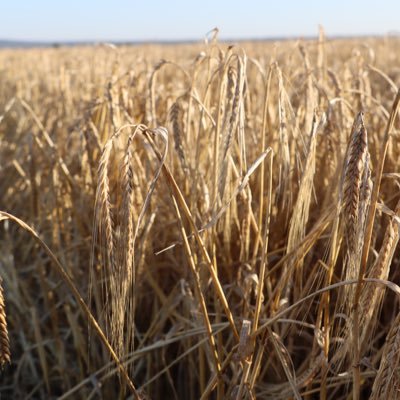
(200, 221)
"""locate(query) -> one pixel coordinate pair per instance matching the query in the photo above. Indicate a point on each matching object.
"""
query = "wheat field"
(210, 220)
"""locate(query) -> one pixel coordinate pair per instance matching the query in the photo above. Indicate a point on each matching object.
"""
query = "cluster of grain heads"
(119, 215)
(66, 278)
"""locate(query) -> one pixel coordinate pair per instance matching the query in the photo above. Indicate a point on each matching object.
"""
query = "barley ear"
(353, 179)
(5, 354)
(387, 380)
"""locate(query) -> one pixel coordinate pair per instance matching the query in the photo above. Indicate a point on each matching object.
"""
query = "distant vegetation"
(200, 221)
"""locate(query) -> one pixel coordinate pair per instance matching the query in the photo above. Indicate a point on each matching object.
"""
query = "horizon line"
(4, 42)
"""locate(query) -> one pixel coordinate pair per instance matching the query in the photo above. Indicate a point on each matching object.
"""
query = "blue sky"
(57, 20)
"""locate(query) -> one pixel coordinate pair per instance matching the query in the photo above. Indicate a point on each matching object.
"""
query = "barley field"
(201, 221)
